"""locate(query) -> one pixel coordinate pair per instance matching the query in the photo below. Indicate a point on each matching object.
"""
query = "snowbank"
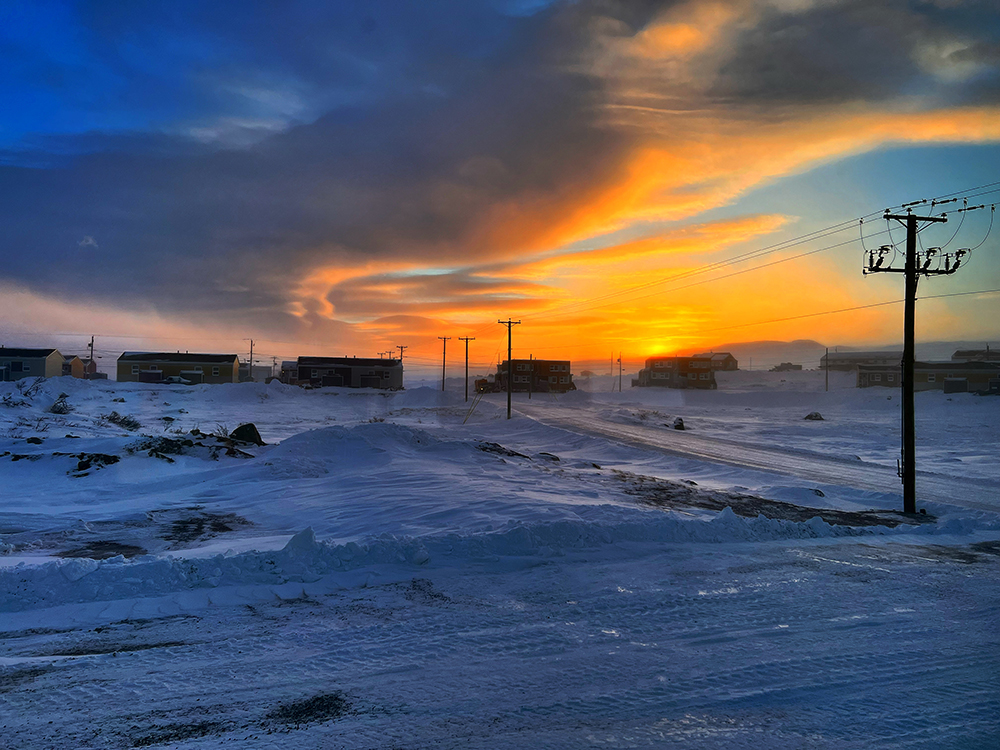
(305, 560)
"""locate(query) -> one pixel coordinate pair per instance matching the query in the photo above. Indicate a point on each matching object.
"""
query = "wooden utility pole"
(619, 372)
(510, 363)
(401, 352)
(911, 271)
(444, 351)
(827, 368)
(466, 339)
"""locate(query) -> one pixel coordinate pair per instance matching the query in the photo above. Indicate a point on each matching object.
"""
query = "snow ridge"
(305, 560)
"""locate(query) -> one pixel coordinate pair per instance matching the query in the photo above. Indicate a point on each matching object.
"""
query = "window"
(197, 368)
(659, 364)
(890, 378)
(704, 376)
(315, 374)
(16, 366)
(135, 369)
(154, 368)
(930, 378)
(519, 367)
(564, 379)
(553, 379)
(876, 377)
(215, 371)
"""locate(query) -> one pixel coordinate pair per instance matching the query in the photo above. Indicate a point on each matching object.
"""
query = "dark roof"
(347, 362)
(956, 366)
(26, 353)
(176, 357)
(538, 361)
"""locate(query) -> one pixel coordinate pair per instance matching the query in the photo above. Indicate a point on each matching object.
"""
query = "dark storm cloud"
(836, 52)
(479, 114)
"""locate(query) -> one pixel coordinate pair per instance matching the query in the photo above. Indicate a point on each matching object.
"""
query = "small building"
(951, 377)
(786, 367)
(157, 367)
(289, 372)
(536, 375)
(847, 361)
(720, 360)
(73, 366)
(29, 363)
(349, 372)
(677, 372)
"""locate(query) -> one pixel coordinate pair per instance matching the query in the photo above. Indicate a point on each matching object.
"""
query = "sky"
(345, 178)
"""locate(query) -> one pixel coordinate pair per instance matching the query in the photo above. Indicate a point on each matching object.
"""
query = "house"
(951, 377)
(848, 361)
(976, 355)
(536, 375)
(677, 372)
(720, 360)
(155, 367)
(349, 372)
(73, 366)
(786, 367)
(29, 363)
(289, 372)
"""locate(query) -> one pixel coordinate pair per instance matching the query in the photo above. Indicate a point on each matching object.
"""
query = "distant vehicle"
(176, 380)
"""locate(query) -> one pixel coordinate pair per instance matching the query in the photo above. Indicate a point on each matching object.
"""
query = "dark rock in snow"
(678, 424)
(814, 416)
(34, 440)
(60, 406)
(247, 433)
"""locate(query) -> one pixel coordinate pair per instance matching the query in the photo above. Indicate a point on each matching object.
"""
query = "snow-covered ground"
(395, 570)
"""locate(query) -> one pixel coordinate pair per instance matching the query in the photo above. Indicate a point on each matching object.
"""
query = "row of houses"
(695, 371)
(46, 363)
(976, 370)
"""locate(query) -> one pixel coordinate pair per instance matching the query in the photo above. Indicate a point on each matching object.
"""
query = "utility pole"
(619, 372)
(466, 339)
(531, 374)
(444, 351)
(915, 265)
(827, 368)
(250, 363)
(510, 364)
(401, 352)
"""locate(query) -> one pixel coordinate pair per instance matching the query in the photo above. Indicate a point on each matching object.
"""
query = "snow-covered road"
(787, 645)
(973, 493)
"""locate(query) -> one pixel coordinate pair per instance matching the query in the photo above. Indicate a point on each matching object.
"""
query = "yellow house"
(73, 366)
(26, 363)
(177, 367)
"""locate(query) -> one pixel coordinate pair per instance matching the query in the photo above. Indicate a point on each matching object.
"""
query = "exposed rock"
(678, 424)
(61, 406)
(247, 433)
(814, 416)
